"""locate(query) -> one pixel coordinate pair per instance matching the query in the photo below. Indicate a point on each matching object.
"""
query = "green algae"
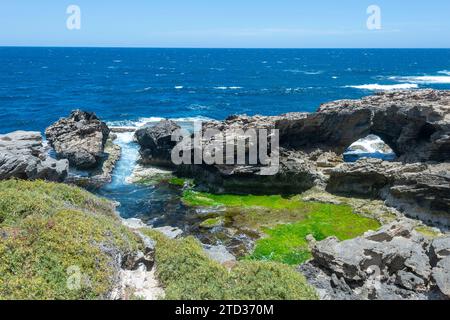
(288, 244)
(212, 222)
(285, 222)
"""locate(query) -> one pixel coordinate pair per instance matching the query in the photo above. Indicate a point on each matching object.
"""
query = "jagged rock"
(415, 124)
(441, 275)
(391, 263)
(80, 138)
(439, 249)
(102, 174)
(410, 281)
(23, 156)
(295, 174)
(156, 143)
(423, 194)
(390, 231)
(419, 190)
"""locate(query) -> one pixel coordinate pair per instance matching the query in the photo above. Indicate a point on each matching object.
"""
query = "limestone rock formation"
(295, 174)
(415, 124)
(80, 138)
(23, 156)
(393, 263)
(420, 190)
(156, 143)
(102, 174)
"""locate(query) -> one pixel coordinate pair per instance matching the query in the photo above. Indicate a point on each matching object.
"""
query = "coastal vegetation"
(61, 242)
(187, 272)
(58, 242)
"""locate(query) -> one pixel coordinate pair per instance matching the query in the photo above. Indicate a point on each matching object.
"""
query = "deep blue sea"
(131, 87)
(40, 85)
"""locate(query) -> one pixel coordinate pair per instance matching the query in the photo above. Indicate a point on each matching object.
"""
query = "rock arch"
(416, 125)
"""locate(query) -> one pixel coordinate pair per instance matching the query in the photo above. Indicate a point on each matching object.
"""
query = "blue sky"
(226, 23)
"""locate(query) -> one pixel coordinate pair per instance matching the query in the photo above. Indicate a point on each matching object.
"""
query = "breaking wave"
(385, 87)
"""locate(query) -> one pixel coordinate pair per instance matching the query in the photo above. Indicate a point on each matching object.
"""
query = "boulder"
(23, 156)
(423, 194)
(80, 138)
(391, 263)
(439, 249)
(441, 275)
(156, 143)
(102, 174)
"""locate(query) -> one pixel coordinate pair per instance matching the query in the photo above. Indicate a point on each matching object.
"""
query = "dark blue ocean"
(40, 85)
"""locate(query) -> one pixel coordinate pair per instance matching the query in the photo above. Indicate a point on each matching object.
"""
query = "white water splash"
(385, 87)
(424, 79)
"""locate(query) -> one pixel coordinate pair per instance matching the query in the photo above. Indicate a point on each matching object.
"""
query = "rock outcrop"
(393, 263)
(80, 138)
(295, 174)
(102, 174)
(156, 143)
(415, 124)
(419, 190)
(23, 156)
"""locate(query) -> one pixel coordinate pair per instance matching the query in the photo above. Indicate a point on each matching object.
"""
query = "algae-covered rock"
(212, 223)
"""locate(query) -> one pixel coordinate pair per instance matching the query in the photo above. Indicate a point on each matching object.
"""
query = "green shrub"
(50, 229)
(188, 273)
(269, 280)
(19, 199)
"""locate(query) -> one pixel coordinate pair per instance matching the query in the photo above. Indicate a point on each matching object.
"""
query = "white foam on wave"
(227, 88)
(446, 72)
(143, 121)
(310, 73)
(124, 137)
(423, 79)
(385, 87)
(370, 144)
(179, 87)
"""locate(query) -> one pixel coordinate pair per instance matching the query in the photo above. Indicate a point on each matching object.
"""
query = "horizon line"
(225, 48)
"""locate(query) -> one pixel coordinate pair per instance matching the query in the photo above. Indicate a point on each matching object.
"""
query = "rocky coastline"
(414, 124)
(394, 262)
